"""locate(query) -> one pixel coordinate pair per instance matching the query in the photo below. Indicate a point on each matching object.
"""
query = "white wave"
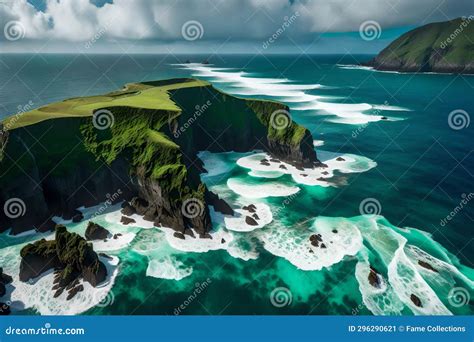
(391, 108)
(112, 244)
(168, 267)
(380, 301)
(407, 281)
(355, 67)
(263, 190)
(218, 164)
(265, 174)
(318, 143)
(294, 244)
(237, 222)
(116, 216)
(38, 294)
(308, 176)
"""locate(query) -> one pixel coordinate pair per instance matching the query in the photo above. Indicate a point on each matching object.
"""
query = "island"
(444, 47)
(142, 142)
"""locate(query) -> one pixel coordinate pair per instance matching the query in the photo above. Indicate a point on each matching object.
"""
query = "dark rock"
(299, 167)
(222, 240)
(205, 236)
(189, 232)
(128, 210)
(4, 309)
(219, 204)
(108, 257)
(384, 118)
(304, 175)
(374, 278)
(427, 266)
(250, 208)
(334, 231)
(95, 231)
(179, 235)
(265, 163)
(140, 205)
(72, 284)
(325, 173)
(74, 291)
(323, 245)
(255, 216)
(69, 252)
(340, 159)
(46, 226)
(283, 167)
(58, 292)
(274, 160)
(126, 220)
(250, 221)
(77, 218)
(416, 300)
(157, 223)
(315, 237)
(5, 278)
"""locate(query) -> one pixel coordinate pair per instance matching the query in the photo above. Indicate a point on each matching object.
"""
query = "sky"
(215, 26)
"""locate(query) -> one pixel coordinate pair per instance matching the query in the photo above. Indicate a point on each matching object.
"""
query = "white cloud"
(235, 20)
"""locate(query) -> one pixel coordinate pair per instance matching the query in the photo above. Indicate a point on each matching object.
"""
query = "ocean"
(407, 149)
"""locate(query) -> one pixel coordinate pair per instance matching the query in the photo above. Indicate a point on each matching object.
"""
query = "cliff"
(445, 47)
(140, 142)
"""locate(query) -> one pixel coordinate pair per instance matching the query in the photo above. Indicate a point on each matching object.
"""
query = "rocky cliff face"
(148, 157)
(445, 47)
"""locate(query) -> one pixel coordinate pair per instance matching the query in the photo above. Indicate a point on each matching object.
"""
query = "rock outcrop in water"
(95, 231)
(445, 47)
(139, 144)
(72, 258)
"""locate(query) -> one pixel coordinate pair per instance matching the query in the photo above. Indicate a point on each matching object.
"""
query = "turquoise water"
(423, 168)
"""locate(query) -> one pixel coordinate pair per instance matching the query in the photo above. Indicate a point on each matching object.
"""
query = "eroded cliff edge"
(141, 142)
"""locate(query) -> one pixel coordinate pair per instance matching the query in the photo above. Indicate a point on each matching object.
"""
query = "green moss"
(43, 248)
(291, 135)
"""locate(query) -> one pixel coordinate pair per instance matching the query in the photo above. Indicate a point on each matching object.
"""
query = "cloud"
(161, 21)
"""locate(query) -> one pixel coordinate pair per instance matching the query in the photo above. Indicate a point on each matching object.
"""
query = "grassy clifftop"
(143, 139)
(439, 47)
